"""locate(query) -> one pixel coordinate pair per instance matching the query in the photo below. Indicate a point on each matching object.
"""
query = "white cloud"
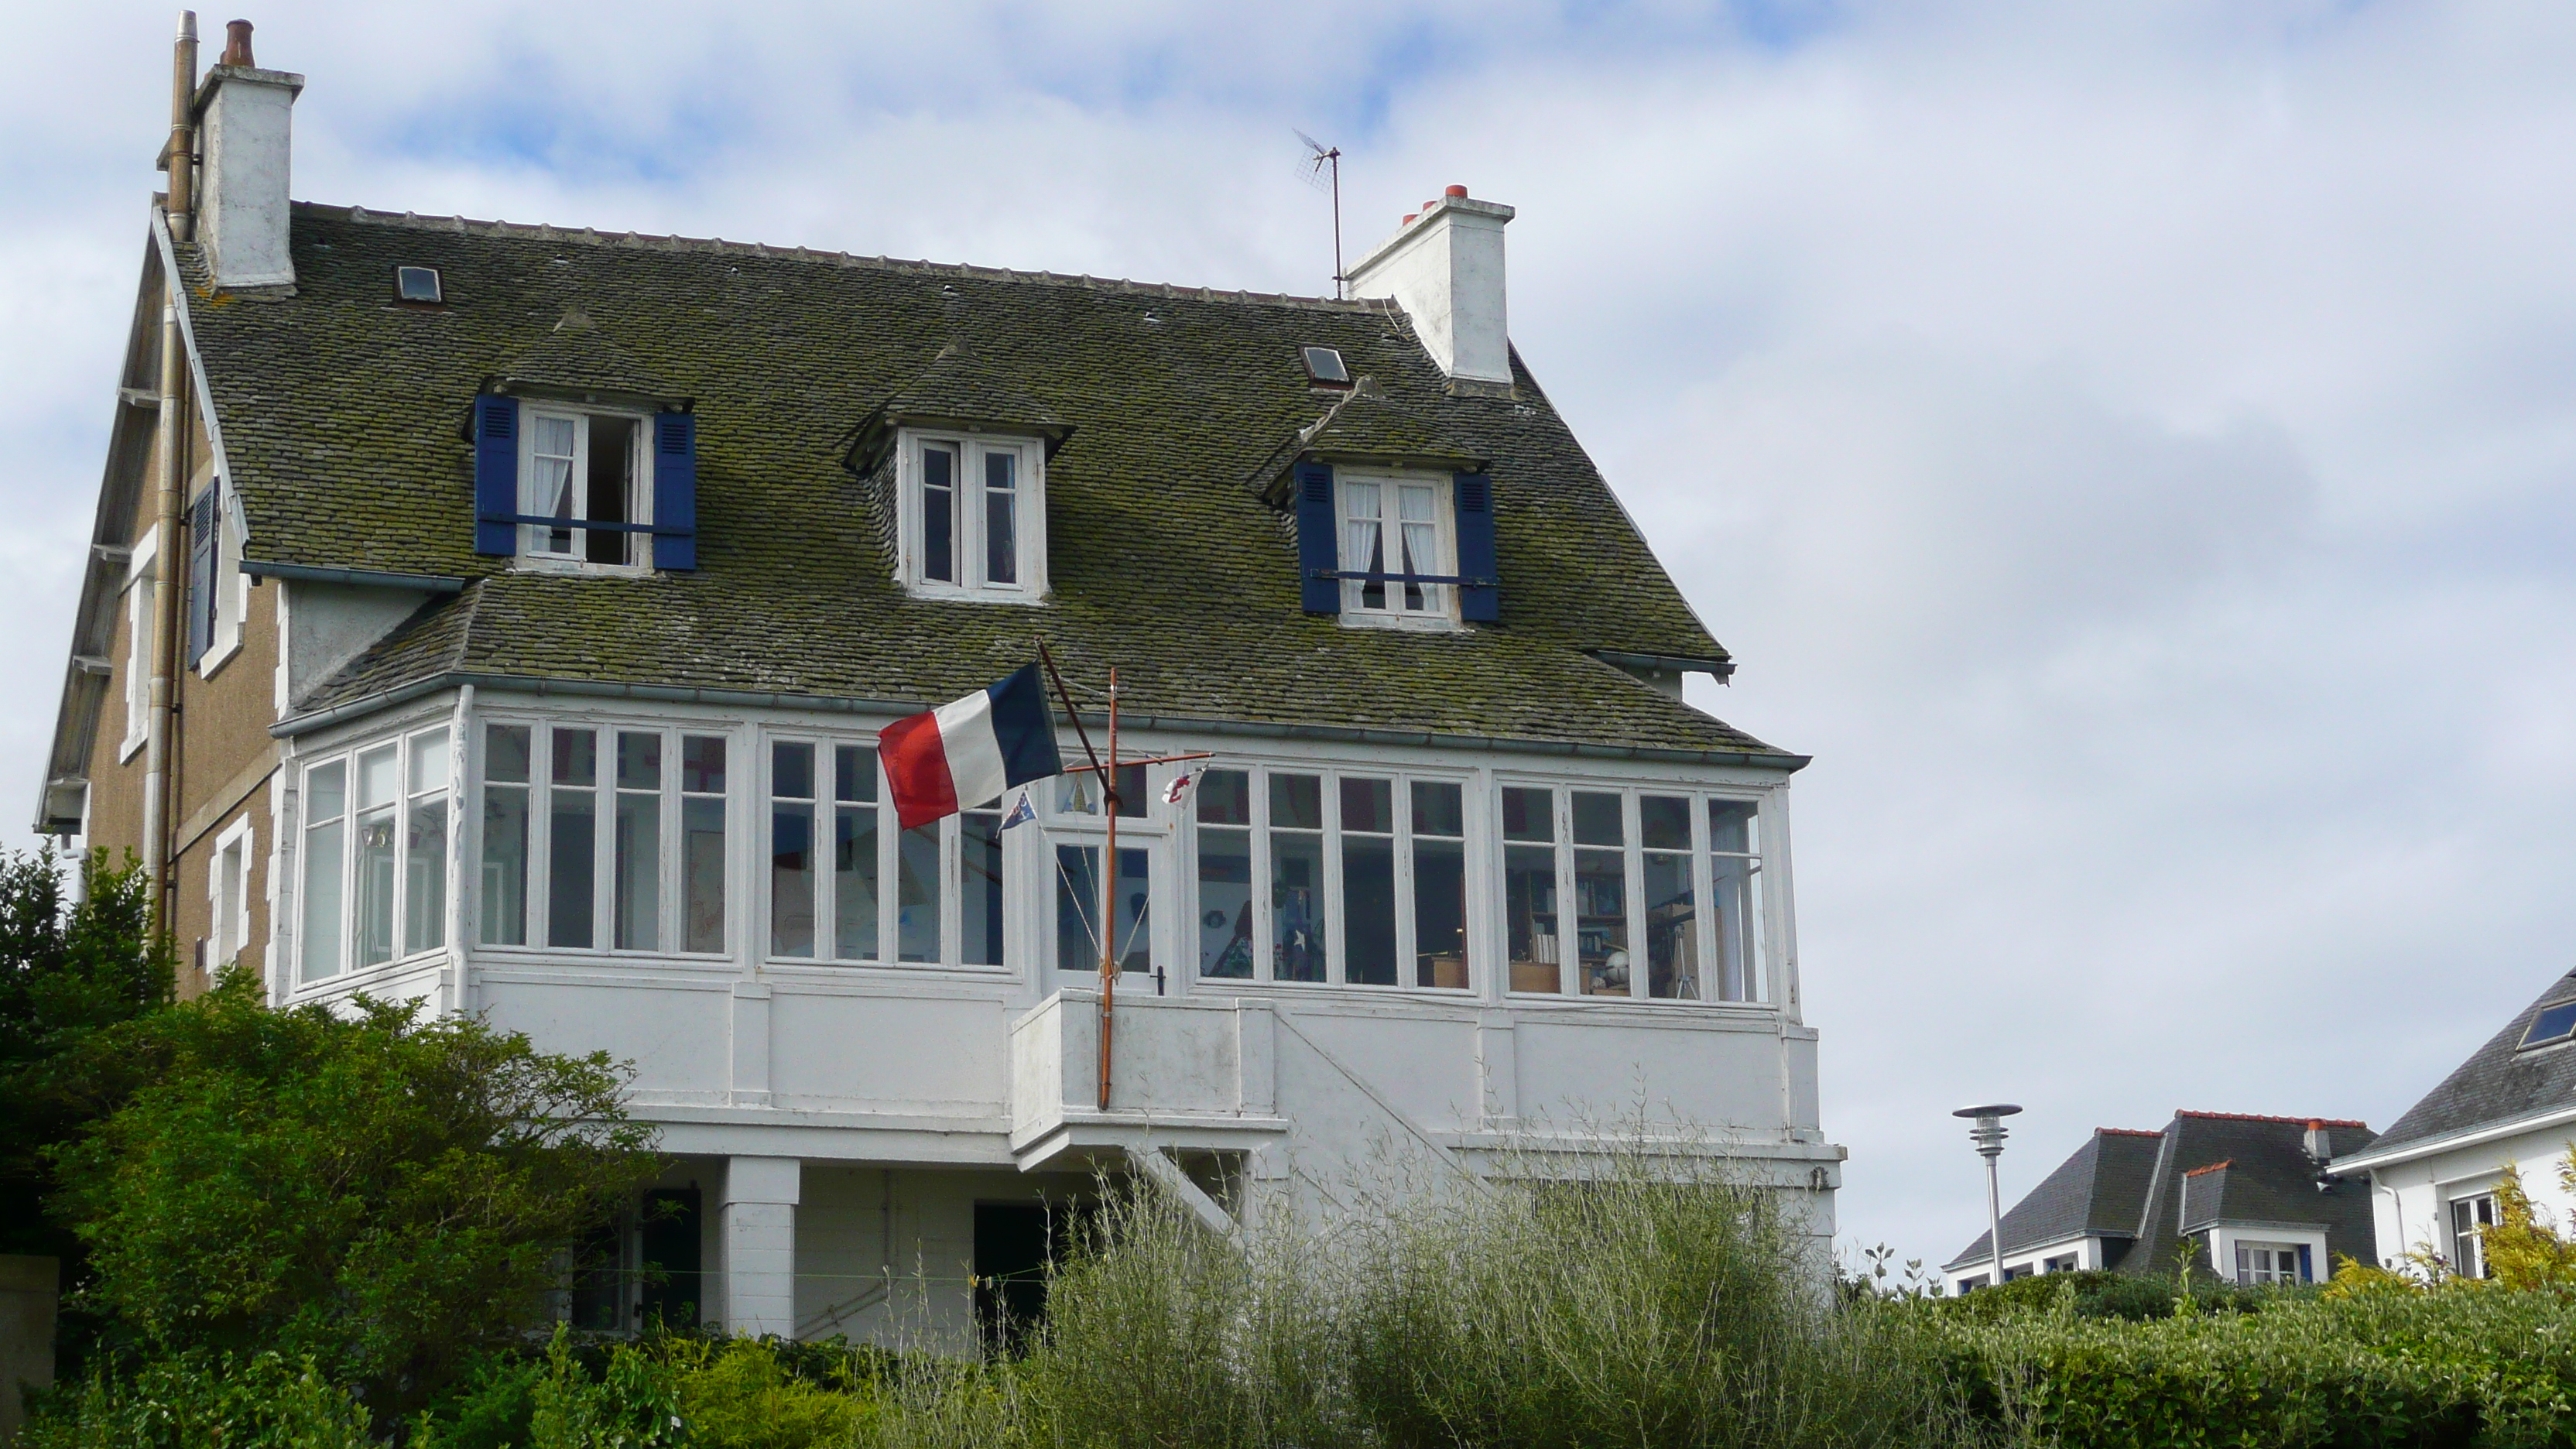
(2128, 448)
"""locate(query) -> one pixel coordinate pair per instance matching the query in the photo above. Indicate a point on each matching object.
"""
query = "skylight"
(2555, 1023)
(417, 284)
(1324, 367)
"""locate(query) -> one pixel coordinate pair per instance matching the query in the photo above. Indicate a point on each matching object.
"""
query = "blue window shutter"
(2307, 1270)
(1473, 494)
(1316, 550)
(496, 474)
(675, 491)
(202, 523)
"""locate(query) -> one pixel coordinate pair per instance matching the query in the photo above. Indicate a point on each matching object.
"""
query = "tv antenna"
(1324, 168)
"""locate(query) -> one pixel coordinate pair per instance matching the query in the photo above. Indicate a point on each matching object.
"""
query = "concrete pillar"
(759, 1244)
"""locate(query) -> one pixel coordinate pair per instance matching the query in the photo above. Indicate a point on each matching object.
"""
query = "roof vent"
(417, 284)
(1324, 367)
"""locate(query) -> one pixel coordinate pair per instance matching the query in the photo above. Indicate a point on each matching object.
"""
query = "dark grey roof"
(341, 413)
(2496, 1084)
(2097, 1191)
(2268, 1178)
(2144, 1186)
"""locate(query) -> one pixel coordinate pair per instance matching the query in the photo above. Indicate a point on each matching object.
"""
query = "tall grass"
(1658, 1302)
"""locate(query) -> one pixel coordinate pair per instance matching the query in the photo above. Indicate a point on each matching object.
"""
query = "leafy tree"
(67, 972)
(381, 1192)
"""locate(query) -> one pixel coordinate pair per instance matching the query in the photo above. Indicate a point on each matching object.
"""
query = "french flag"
(967, 753)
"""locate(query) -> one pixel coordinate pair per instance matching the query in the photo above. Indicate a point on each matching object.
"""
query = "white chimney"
(243, 114)
(1445, 268)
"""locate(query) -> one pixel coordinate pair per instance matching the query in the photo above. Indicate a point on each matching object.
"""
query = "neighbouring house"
(2512, 1104)
(502, 617)
(2248, 1191)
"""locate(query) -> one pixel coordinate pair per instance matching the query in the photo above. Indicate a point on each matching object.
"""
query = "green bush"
(201, 1401)
(2098, 1294)
(2461, 1366)
(385, 1195)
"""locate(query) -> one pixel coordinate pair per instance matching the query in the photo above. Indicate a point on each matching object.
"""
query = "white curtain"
(1360, 528)
(550, 483)
(1421, 544)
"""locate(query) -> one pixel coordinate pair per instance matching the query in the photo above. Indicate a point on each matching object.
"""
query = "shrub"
(2454, 1366)
(1655, 1304)
(384, 1195)
(2095, 1293)
(202, 1401)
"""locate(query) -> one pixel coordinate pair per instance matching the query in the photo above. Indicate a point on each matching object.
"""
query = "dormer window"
(583, 468)
(1397, 538)
(973, 516)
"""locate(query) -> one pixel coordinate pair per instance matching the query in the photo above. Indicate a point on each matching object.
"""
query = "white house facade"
(2511, 1107)
(502, 617)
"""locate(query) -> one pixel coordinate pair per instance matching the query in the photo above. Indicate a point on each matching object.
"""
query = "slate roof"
(2096, 1191)
(2496, 1084)
(2203, 1168)
(342, 414)
(2268, 1179)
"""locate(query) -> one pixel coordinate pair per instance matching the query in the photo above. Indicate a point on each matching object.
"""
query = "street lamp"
(1988, 1134)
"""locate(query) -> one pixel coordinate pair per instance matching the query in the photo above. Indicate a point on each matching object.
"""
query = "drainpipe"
(183, 127)
(168, 567)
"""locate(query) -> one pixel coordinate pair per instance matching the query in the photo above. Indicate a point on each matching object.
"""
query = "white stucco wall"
(2410, 1200)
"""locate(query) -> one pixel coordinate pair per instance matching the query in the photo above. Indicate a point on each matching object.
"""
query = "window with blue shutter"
(1478, 602)
(1321, 593)
(204, 519)
(675, 491)
(496, 474)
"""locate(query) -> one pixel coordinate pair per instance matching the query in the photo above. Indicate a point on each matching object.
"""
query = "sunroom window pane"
(1368, 909)
(1296, 905)
(1225, 902)
(505, 835)
(325, 837)
(378, 785)
(1440, 913)
(979, 871)
(702, 842)
(854, 854)
(572, 797)
(917, 894)
(791, 849)
(1672, 927)
(638, 903)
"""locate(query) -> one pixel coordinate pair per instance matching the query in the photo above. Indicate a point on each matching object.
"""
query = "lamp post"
(1988, 1134)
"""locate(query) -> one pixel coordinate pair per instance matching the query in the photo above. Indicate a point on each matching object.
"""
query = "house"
(2247, 1190)
(2512, 1104)
(502, 617)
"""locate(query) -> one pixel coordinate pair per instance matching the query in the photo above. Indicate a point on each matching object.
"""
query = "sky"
(2127, 446)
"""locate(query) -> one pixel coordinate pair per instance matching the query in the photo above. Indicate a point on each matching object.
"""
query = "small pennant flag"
(1179, 787)
(965, 753)
(1021, 812)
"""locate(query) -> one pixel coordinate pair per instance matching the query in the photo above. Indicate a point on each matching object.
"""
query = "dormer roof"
(575, 358)
(957, 389)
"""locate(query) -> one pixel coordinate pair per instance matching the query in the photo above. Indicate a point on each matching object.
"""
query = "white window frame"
(949, 897)
(142, 621)
(2283, 1268)
(2469, 1250)
(1063, 824)
(968, 525)
(670, 867)
(228, 894)
(640, 464)
(1761, 986)
(1440, 601)
(1408, 955)
(411, 744)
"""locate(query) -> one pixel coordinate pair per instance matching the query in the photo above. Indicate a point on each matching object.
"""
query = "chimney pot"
(1457, 191)
(1409, 216)
(237, 44)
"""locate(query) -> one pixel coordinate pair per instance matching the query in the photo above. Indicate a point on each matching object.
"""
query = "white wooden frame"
(404, 744)
(639, 485)
(671, 923)
(1761, 974)
(967, 534)
(1444, 526)
(229, 919)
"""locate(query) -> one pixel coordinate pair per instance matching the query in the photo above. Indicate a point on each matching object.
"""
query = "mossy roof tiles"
(342, 413)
